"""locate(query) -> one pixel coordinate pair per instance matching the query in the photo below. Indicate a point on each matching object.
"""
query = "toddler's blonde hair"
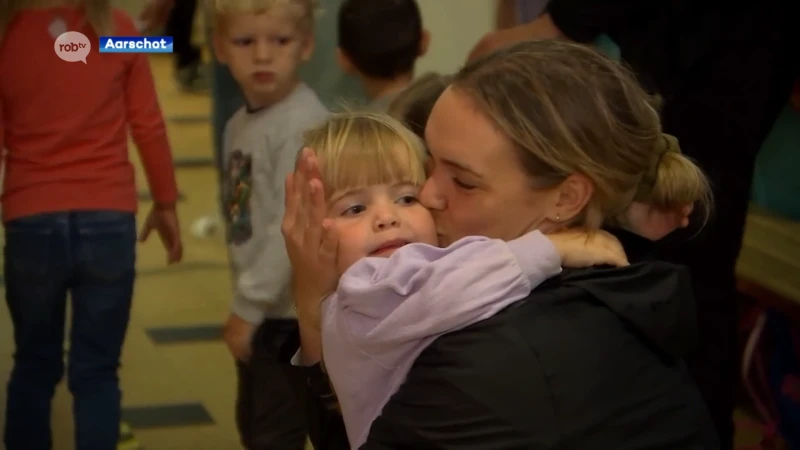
(304, 11)
(357, 149)
(361, 148)
(98, 14)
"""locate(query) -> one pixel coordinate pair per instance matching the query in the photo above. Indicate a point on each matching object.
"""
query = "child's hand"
(578, 248)
(311, 243)
(653, 223)
(238, 335)
(164, 220)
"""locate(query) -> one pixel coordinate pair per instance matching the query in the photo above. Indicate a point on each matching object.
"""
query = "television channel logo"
(73, 46)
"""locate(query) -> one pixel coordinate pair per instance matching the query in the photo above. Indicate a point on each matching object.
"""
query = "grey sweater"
(260, 151)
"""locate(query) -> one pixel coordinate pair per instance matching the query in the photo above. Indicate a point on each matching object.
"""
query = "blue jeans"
(92, 256)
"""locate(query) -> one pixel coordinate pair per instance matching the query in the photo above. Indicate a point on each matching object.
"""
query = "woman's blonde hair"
(304, 11)
(568, 109)
(98, 14)
(361, 148)
(413, 105)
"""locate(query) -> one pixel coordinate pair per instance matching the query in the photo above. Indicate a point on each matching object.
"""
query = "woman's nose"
(431, 198)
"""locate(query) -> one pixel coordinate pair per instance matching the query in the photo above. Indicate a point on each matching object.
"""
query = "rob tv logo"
(73, 46)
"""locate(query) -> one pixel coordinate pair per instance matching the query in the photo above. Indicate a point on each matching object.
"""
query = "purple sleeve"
(422, 291)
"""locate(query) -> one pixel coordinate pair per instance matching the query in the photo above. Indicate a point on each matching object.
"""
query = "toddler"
(398, 290)
(263, 43)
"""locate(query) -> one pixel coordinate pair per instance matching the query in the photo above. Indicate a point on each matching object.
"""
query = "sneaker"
(126, 439)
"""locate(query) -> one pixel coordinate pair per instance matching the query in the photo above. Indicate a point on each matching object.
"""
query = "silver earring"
(558, 217)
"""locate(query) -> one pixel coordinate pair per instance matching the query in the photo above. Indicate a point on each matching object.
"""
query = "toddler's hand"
(164, 220)
(654, 224)
(238, 335)
(311, 243)
(578, 248)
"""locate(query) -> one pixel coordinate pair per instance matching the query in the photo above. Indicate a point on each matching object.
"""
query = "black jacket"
(668, 42)
(591, 360)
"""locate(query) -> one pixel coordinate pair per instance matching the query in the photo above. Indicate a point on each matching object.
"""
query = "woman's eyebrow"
(461, 166)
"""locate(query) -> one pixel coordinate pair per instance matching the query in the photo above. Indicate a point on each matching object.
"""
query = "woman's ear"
(573, 194)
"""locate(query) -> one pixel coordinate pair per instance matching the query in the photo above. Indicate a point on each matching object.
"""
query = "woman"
(543, 135)
(697, 56)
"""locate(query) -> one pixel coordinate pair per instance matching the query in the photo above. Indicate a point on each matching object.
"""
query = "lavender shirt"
(386, 311)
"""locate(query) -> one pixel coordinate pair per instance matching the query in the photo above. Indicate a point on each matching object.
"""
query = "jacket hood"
(654, 297)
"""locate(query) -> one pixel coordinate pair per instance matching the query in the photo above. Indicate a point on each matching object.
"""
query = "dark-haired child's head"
(413, 106)
(380, 39)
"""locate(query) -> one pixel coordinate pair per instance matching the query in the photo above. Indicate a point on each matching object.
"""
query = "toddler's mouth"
(389, 246)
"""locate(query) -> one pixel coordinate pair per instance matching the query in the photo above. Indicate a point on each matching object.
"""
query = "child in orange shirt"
(69, 204)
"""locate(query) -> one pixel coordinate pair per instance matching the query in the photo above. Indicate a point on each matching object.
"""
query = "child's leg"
(102, 288)
(244, 403)
(36, 271)
(188, 58)
(277, 415)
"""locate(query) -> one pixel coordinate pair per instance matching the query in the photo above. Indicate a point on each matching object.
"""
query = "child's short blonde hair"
(360, 149)
(304, 11)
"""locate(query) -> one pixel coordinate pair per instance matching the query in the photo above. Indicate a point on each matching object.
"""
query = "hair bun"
(666, 143)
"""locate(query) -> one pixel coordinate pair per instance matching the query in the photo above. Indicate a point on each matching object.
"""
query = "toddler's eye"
(354, 210)
(407, 200)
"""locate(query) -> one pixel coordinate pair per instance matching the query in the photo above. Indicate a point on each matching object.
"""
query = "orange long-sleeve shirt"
(65, 125)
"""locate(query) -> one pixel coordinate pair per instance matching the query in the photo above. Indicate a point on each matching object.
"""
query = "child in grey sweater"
(263, 48)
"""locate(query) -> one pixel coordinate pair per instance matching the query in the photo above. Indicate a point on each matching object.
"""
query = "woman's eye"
(462, 185)
(407, 200)
(354, 210)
